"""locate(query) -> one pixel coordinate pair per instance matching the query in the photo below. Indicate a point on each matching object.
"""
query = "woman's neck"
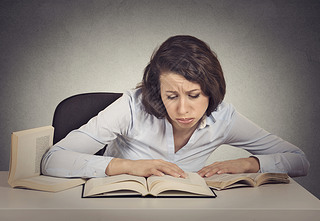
(182, 135)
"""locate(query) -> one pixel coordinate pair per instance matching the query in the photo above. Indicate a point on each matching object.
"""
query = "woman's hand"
(242, 165)
(144, 168)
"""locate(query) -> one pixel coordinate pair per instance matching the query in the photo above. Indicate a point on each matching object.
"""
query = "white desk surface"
(267, 202)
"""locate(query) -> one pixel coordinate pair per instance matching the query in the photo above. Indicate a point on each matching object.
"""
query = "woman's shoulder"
(134, 99)
(224, 111)
(133, 93)
(133, 96)
(138, 112)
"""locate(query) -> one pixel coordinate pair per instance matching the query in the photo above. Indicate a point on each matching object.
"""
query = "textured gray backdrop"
(269, 51)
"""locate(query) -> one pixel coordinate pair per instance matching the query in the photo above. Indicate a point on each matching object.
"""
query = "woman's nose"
(182, 106)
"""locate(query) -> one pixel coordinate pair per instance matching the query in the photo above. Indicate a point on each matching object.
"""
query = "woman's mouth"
(185, 120)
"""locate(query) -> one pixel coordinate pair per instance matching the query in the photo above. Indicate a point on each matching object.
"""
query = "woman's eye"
(194, 96)
(171, 97)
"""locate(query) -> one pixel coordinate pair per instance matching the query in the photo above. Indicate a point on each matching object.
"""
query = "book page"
(27, 150)
(272, 178)
(224, 181)
(111, 184)
(42, 144)
(231, 177)
(48, 183)
(192, 184)
(221, 181)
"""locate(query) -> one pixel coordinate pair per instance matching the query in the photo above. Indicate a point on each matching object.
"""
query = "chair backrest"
(77, 110)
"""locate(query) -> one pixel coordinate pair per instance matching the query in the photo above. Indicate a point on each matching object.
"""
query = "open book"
(165, 186)
(27, 149)
(226, 181)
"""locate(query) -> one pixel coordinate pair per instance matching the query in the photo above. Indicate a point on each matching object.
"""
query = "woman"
(171, 124)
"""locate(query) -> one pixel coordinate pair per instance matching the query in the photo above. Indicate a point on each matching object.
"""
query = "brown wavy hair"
(194, 60)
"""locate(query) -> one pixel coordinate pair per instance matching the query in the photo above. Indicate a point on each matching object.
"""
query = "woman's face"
(184, 100)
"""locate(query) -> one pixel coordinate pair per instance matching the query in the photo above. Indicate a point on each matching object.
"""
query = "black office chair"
(77, 110)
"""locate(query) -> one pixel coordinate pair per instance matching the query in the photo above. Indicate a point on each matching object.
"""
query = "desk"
(268, 202)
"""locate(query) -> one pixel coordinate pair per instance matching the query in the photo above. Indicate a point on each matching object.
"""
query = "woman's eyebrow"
(171, 92)
(193, 90)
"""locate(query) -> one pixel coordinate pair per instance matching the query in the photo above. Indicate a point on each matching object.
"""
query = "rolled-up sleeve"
(273, 153)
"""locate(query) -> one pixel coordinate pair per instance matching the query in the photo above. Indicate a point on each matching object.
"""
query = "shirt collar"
(204, 121)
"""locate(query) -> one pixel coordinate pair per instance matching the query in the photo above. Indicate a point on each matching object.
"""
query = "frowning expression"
(184, 100)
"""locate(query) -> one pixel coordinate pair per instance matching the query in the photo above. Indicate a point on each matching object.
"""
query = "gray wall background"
(269, 51)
